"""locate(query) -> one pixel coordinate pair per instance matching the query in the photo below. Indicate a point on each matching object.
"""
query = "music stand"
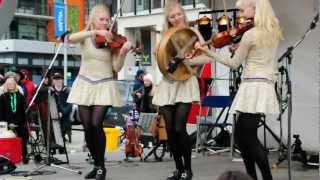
(214, 102)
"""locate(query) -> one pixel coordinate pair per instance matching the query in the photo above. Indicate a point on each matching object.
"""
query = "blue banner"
(59, 19)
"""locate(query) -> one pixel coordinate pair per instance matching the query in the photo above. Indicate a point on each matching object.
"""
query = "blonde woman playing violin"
(256, 96)
(95, 89)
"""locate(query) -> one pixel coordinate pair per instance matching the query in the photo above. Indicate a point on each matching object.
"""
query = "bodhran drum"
(175, 44)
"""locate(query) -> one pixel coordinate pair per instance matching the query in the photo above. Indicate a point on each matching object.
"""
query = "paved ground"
(204, 167)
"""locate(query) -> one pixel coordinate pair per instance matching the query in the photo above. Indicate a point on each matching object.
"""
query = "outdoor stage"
(204, 167)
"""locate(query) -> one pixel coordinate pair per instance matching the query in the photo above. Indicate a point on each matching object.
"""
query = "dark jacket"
(62, 106)
(146, 101)
(6, 114)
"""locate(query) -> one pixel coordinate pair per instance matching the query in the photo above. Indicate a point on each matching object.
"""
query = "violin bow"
(116, 16)
(225, 13)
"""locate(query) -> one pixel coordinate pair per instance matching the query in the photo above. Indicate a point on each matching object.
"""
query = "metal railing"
(33, 8)
(137, 6)
(25, 35)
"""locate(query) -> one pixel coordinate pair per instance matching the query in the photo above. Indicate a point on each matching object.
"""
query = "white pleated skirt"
(256, 97)
(172, 92)
(88, 94)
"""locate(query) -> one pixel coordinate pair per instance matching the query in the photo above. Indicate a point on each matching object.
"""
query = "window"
(48, 61)
(27, 31)
(32, 7)
(146, 41)
(156, 4)
(32, 30)
(23, 61)
(187, 2)
(77, 63)
(38, 61)
(8, 59)
(70, 63)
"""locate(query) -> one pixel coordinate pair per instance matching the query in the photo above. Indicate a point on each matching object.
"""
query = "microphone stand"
(286, 59)
(49, 125)
(63, 39)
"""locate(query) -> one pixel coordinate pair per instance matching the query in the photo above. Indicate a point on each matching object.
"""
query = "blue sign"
(59, 19)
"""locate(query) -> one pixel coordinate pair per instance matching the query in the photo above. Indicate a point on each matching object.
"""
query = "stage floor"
(204, 167)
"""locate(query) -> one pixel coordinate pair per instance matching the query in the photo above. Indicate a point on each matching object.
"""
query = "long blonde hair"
(169, 5)
(265, 22)
(94, 11)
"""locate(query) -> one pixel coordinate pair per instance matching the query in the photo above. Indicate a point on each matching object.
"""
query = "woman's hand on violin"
(107, 34)
(125, 48)
(233, 48)
(197, 49)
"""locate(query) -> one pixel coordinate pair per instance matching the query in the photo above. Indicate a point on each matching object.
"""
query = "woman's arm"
(240, 54)
(117, 61)
(119, 56)
(79, 37)
(234, 62)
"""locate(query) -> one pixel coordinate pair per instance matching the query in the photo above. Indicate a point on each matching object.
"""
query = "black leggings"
(92, 120)
(178, 138)
(252, 151)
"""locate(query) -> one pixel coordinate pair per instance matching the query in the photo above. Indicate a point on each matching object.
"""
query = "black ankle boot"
(101, 173)
(186, 175)
(175, 175)
(92, 174)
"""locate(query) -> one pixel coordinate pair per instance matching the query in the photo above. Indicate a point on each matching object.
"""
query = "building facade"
(30, 43)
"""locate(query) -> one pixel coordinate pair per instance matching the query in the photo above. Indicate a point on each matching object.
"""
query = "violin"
(133, 147)
(133, 133)
(233, 35)
(116, 44)
(117, 41)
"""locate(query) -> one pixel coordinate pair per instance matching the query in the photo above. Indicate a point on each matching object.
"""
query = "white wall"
(295, 17)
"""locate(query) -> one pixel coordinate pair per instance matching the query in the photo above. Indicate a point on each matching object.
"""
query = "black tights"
(92, 120)
(178, 138)
(252, 151)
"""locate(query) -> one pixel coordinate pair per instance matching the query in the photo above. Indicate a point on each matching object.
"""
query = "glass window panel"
(156, 4)
(77, 63)
(27, 31)
(38, 61)
(48, 61)
(187, 2)
(70, 63)
(23, 60)
(8, 60)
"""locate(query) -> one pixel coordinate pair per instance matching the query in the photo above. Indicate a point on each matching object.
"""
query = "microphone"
(62, 36)
(314, 21)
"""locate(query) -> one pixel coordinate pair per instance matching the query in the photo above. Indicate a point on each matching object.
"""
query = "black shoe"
(25, 160)
(62, 151)
(101, 173)
(92, 174)
(186, 175)
(175, 175)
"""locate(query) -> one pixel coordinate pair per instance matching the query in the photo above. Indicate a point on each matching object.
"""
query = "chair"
(205, 143)
(158, 147)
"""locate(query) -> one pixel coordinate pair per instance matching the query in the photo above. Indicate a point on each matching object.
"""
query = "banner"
(59, 19)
